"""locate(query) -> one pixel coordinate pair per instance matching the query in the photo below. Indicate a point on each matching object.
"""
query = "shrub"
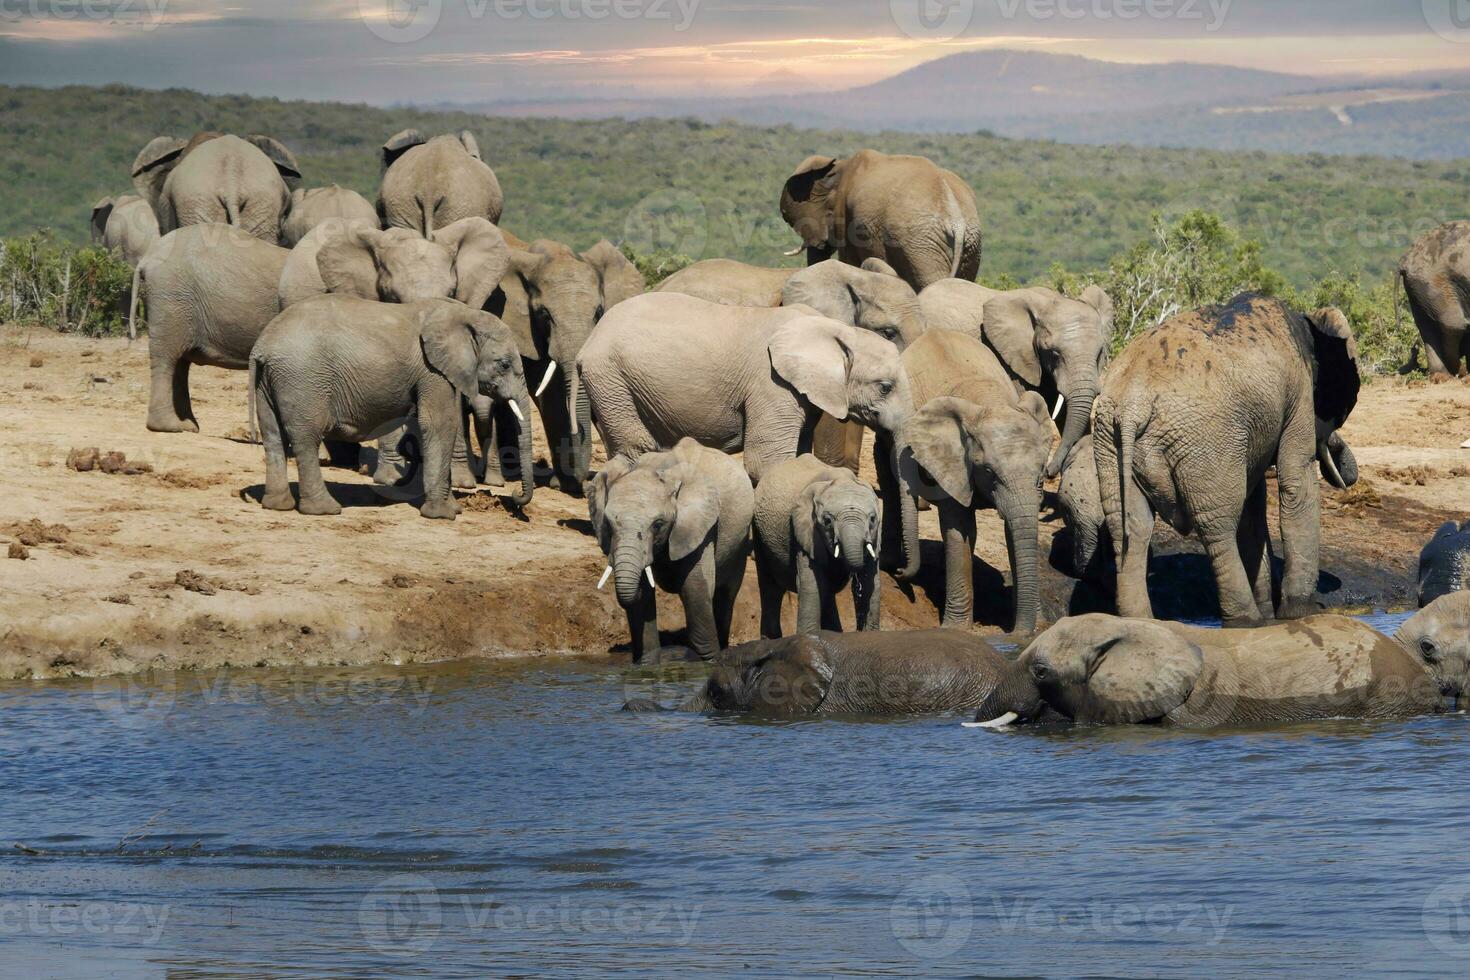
(1381, 321)
(73, 289)
(657, 266)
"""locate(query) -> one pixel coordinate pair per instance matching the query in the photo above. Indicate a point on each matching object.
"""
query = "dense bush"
(82, 290)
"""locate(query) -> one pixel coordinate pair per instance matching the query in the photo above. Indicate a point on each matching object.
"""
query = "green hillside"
(712, 190)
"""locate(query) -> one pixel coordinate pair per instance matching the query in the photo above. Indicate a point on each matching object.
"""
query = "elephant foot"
(463, 479)
(278, 501)
(441, 510)
(1242, 623)
(323, 506)
(172, 425)
(1297, 609)
(494, 477)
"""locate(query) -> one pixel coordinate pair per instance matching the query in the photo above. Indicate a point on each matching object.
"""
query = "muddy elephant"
(552, 297)
(1079, 499)
(1436, 277)
(1192, 415)
(210, 291)
(679, 520)
(868, 675)
(125, 224)
(344, 368)
(921, 220)
(817, 529)
(309, 208)
(431, 183)
(1439, 636)
(216, 178)
(975, 443)
(1444, 564)
(1104, 670)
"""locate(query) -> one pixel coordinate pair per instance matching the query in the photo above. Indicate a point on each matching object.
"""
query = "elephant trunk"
(1339, 465)
(528, 457)
(852, 535)
(628, 563)
(1019, 511)
(1079, 420)
(909, 522)
(580, 408)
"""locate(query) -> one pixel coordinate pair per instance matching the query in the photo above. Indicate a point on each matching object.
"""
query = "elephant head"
(1336, 383)
(784, 678)
(1080, 499)
(807, 206)
(1042, 336)
(844, 372)
(839, 520)
(971, 454)
(1103, 670)
(872, 298)
(477, 354)
(657, 508)
(1439, 635)
(465, 261)
(101, 211)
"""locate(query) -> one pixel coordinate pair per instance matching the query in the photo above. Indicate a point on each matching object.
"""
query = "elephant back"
(944, 363)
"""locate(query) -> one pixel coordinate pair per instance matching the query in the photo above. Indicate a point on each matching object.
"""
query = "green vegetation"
(1305, 227)
(73, 289)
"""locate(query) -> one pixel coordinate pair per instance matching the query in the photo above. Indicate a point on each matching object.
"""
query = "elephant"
(302, 277)
(431, 183)
(1439, 635)
(310, 208)
(729, 283)
(921, 220)
(1192, 415)
(882, 675)
(218, 179)
(816, 528)
(1436, 277)
(553, 298)
(210, 289)
(972, 443)
(956, 304)
(681, 521)
(1100, 669)
(125, 224)
(1079, 499)
(346, 368)
(1444, 564)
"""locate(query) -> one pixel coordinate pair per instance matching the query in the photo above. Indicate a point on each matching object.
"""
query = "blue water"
(481, 820)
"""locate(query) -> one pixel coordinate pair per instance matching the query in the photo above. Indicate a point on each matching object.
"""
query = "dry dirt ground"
(180, 567)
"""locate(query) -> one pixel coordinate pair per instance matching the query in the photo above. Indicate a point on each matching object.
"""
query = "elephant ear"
(936, 440)
(528, 264)
(348, 265)
(153, 165)
(1097, 298)
(1140, 673)
(826, 287)
(880, 267)
(101, 211)
(1338, 381)
(620, 278)
(804, 178)
(450, 344)
(1034, 405)
(1011, 332)
(814, 356)
(470, 144)
(696, 509)
(804, 518)
(615, 469)
(400, 144)
(284, 159)
(481, 258)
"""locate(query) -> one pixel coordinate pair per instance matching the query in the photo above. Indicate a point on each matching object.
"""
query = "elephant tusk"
(1056, 413)
(837, 551)
(871, 553)
(606, 574)
(1004, 721)
(649, 572)
(516, 411)
(795, 251)
(550, 370)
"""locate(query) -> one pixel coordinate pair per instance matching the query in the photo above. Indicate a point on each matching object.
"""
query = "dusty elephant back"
(945, 363)
(216, 181)
(729, 283)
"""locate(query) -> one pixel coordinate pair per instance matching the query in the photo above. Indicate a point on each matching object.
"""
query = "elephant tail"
(232, 211)
(133, 304)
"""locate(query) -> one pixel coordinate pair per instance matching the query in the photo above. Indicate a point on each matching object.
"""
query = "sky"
(477, 51)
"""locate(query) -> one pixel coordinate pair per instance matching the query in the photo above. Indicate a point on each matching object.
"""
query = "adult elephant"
(210, 291)
(1436, 277)
(956, 304)
(431, 183)
(553, 297)
(125, 224)
(216, 178)
(1439, 635)
(974, 443)
(868, 674)
(664, 366)
(1192, 415)
(309, 208)
(1104, 670)
(1444, 564)
(921, 220)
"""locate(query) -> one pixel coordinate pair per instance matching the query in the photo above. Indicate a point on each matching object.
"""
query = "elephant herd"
(420, 323)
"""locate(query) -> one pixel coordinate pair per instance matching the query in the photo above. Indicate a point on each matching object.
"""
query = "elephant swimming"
(310, 207)
(1192, 415)
(1436, 277)
(430, 183)
(217, 178)
(1444, 564)
(679, 520)
(904, 210)
(1100, 669)
(1439, 636)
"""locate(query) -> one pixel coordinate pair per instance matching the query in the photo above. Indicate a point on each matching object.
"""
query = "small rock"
(118, 463)
(194, 582)
(19, 551)
(36, 361)
(99, 379)
(83, 460)
(402, 581)
(137, 575)
(30, 386)
(121, 598)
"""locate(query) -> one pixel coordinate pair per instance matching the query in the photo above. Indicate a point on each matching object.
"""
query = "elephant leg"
(169, 406)
(772, 595)
(277, 479)
(831, 618)
(557, 423)
(643, 624)
(399, 456)
(808, 597)
(698, 596)
(1441, 322)
(1301, 519)
(315, 499)
(438, 427)
(488, 435)
(1252, 540)
(461, 466)
(1237, 597)
(957, 528)
(729, 580)
(1133, 600)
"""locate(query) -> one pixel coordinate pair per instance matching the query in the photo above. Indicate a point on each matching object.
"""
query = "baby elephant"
(339, 367)
(1444, 564)
(816, 528)
(1105, 670)
(1439, 635)
(679, 520)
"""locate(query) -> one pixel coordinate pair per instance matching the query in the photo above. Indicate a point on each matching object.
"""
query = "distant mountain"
(1072, 99)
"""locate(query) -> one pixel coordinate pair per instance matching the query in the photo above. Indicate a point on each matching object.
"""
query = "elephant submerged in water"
(1439, 636)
